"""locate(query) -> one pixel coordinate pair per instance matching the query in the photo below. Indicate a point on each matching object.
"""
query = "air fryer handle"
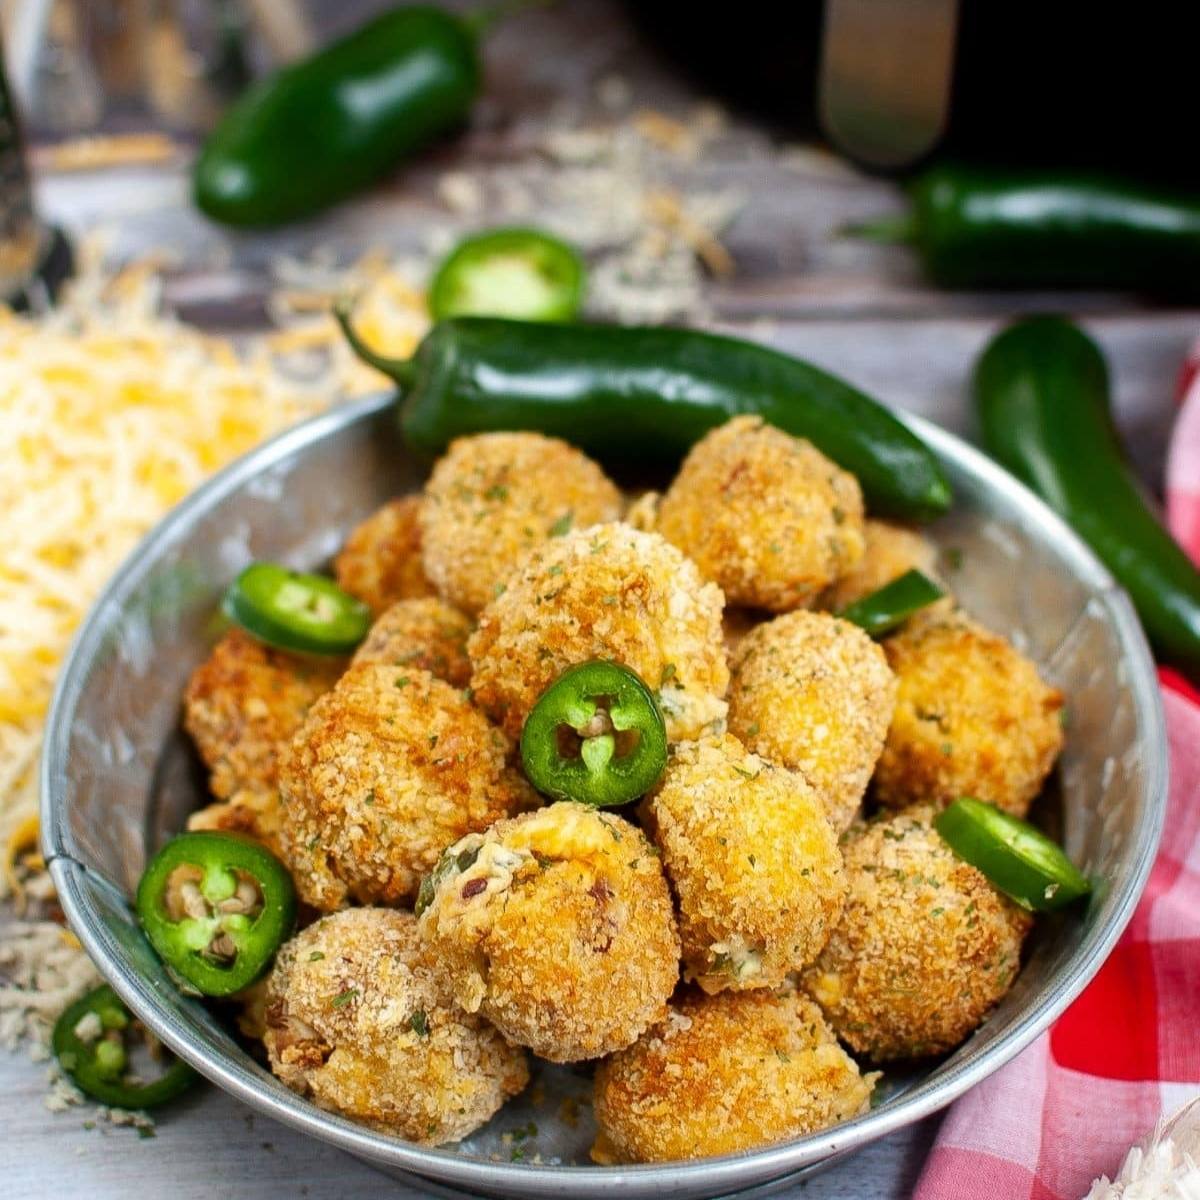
(883, 90)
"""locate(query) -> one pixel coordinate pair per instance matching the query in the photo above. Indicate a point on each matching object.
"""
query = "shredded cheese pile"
(110, 413)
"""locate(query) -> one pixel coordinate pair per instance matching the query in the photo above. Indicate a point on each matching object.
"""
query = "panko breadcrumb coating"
(254, 812)
(764, 514)
(557, 926)
(889, 551)
(725, 1073)
(753, 860)
(972, 718)
(381, 560)
(814, 693)
(609, 592)
(426, 633)
(357, 1020)
(244, 703)
(925, 948)
(389, 768)
(495, 496)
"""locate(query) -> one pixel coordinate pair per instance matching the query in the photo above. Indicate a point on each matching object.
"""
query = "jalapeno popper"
(425, 633)
(493, 498)
(358, 1019)
(925, 948)
(389, 767)
(557, 926)
(244, 702)
(765, 515)
(814, 693)
(753, 860)
(608, 592)
(722, 1074)
(973, 717)
(381, 560)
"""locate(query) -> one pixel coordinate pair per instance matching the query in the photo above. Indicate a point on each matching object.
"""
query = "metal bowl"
(118, 777)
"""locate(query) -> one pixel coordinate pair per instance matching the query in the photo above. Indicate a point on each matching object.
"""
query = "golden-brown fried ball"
(357, 1020)
(925, 948)
(814, 693)
(389, 768)
(244, 703)
(753, 860)
(557, 926)
(722, 1074)
(381, 561)
(765, 515)
(889, 552)
(425, 633)
(609, 592)
(972, 718)
(254, 813)
(495, 496)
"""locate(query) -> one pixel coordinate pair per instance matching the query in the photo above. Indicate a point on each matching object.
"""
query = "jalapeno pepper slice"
(216, 908)
(522, 274)
(296, 611)
(891, 605)
(595, 735)
(91, 1043)
(1018, 859)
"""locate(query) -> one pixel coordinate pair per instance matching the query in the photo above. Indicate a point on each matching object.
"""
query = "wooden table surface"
(860, 310)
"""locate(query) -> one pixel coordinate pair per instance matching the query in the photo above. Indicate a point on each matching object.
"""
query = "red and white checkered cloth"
(1128, 1050)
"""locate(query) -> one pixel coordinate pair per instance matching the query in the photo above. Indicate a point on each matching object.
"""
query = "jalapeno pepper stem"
(480, 21)
(896, 229)
(402, 370)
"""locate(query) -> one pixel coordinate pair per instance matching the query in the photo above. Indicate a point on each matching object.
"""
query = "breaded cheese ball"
(357, 1020)
(764, 514)
(243, 704)
(814, 693)
(610, 592)
(925, 948)
(557, 926)
(725, 1073)
(889, 551)
(495, 496)
(389, 768)
(972, 718)
(753, 860)
(252, 812)
(426, 633)
(381, 561)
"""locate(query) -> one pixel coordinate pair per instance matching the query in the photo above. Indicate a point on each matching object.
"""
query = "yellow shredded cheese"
(110, 413)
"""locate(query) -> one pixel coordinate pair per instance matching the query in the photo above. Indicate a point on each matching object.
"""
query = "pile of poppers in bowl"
(549, 771)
